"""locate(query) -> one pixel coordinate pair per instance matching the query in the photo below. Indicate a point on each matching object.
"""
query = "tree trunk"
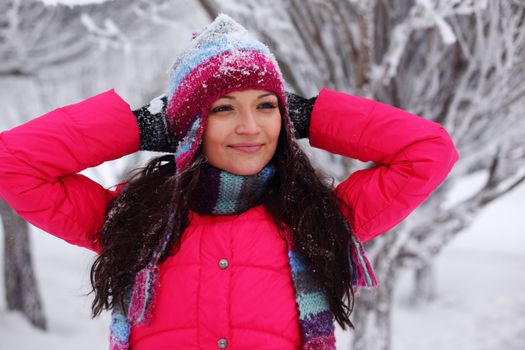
(372, 315)
(22, 292)
(424, 284)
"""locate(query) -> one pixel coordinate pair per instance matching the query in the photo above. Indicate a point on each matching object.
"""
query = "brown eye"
(268, 105)
(221, 108)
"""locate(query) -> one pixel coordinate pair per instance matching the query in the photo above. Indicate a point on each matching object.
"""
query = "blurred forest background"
(450, 275)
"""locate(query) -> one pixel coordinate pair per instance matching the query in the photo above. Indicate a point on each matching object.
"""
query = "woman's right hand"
(154, 128)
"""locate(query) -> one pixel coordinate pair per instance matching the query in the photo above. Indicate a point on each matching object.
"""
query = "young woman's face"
(242, 131)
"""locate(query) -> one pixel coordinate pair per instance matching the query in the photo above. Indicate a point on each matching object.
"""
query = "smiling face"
(242, 131)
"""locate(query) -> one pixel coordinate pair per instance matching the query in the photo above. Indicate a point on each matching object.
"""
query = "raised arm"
(39, 161)
(412, 157)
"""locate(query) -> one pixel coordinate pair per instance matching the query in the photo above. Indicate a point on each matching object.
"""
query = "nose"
(247, 123)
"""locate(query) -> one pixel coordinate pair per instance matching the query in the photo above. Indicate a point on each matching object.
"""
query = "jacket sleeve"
(412, 156)
(39, 161)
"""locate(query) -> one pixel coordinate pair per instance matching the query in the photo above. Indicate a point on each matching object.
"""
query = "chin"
(244, 169)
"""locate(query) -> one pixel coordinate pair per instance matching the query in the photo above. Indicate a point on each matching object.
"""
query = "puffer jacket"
(231, 278)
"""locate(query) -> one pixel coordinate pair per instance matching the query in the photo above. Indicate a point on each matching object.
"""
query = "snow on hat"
(220, 58)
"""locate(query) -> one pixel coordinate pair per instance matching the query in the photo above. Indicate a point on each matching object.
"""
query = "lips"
(247, 147)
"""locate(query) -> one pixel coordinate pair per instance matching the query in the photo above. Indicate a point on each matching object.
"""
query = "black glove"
(155, 134)
(300, 111)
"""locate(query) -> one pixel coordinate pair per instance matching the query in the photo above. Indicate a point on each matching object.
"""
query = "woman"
(233, 241)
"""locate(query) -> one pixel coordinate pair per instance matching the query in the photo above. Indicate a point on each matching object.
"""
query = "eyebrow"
(233, 98)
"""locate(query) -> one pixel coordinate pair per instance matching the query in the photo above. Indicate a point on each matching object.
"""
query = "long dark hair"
(298, 196)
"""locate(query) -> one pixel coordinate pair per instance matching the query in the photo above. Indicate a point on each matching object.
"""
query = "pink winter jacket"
(248, 299)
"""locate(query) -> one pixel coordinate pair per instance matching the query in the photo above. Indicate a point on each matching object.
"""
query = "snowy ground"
(481, 293)
(480, 298)
(480, 305)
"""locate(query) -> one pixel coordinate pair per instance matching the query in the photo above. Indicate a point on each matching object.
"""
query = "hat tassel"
(363, 272)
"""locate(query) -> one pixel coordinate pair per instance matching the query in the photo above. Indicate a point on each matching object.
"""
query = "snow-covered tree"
(21, 290)
(34, 36)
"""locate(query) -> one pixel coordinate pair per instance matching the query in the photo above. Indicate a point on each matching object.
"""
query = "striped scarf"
(226, 193)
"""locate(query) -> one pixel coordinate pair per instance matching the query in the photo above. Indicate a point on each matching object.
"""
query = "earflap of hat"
(188, 146)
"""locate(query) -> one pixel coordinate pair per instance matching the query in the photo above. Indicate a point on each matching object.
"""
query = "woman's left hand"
(300, 111)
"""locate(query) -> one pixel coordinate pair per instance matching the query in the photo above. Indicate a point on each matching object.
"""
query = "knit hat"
(221, 58)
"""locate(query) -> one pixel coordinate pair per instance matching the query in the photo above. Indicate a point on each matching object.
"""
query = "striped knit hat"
(222, 57)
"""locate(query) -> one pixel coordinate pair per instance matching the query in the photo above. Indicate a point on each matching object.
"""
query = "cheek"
(211, 139)
(274, 129)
